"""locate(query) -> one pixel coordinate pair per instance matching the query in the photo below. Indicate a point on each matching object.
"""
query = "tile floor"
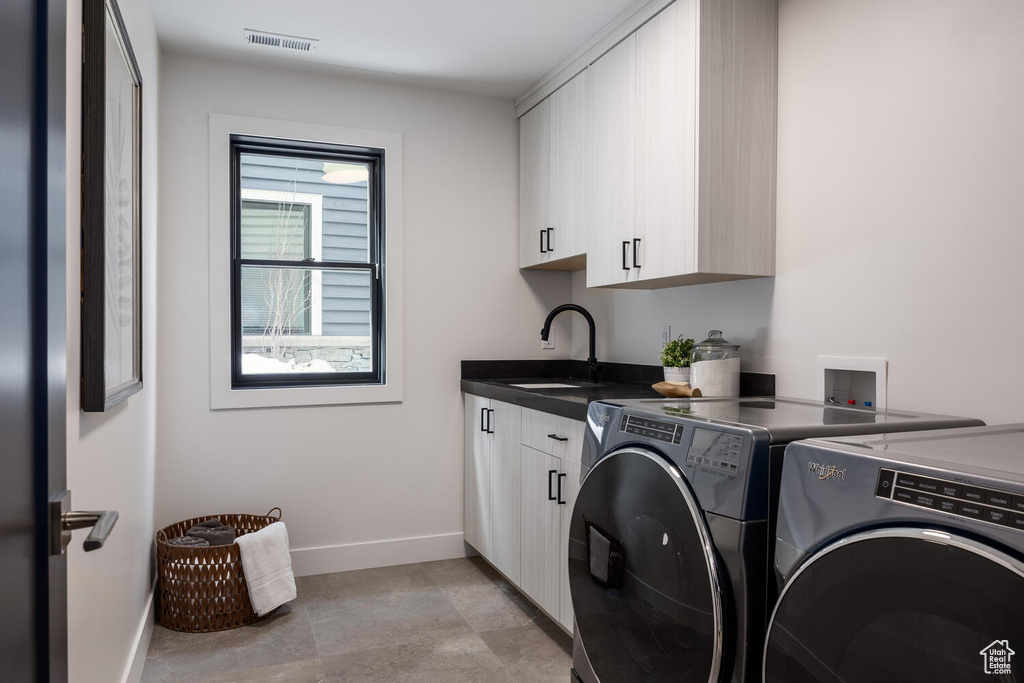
(454, 621)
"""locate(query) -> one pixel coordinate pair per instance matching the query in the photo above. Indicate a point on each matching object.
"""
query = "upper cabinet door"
(666, 155)
(534, 185)
(611, 166)
(568, 149)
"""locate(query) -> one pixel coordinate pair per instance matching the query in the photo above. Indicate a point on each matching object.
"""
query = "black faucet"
(592, 366)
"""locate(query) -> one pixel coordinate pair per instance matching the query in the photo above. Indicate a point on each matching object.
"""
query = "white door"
(568, 147)
(611, 166)
(541, 529)
(666, 67)
(570, 486)
(535, 184)
(505, 425)
(477, 522)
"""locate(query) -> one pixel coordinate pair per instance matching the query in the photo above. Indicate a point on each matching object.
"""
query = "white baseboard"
(343, 558)
(145, 634)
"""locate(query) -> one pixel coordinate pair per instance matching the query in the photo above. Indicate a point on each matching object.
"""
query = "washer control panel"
(652, 429)
(974, 502)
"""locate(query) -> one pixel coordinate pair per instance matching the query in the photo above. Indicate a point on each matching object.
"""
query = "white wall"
(356, 474)
(111, 456)
(900, 225)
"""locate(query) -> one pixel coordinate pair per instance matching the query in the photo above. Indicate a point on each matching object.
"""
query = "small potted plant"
(676, 357)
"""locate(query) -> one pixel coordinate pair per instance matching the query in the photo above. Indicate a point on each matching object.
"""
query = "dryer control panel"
(715, 452)
(987, 505)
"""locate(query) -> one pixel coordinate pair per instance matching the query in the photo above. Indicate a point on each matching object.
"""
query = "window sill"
(283, 397)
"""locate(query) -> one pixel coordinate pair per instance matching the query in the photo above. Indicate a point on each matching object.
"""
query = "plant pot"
(677, 374)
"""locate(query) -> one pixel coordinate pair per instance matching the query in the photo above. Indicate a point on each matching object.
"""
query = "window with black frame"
(307, 263)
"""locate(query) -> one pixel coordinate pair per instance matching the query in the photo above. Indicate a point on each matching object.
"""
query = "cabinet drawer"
(553, 434)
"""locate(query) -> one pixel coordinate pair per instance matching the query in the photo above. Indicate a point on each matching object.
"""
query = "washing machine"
(901, 558)
(669, 551)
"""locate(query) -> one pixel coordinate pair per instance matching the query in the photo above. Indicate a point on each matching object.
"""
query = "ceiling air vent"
(278, 41)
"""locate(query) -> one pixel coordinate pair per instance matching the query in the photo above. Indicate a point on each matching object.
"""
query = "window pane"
(275, 300)
(306, 320)
(336, 194)
(275, 230)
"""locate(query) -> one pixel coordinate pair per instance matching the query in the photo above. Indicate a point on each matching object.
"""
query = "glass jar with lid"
(715, 369)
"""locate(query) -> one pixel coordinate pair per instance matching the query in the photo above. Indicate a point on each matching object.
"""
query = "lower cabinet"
(505, 489)
(571, 486)
(541, 529)
(522, 473)
(491, 482)
(477, 477)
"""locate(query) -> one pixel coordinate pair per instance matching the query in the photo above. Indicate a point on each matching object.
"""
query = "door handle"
(625, 250)
(483, 416)
(556, 437)
(560, 501)
(549, 231)
(63, 521)
(542, 249)
(102, 523)
(490, 414)
(636, 258)
(550, 496)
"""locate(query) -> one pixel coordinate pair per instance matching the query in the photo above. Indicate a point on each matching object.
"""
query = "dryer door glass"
(642, 573)
(900, 605)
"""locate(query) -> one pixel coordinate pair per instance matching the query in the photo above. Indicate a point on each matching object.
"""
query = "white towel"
(268, 567)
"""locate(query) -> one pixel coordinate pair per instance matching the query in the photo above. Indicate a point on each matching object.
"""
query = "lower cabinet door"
(541, 529)
(505, 427)
(476, 484)
(570, 487)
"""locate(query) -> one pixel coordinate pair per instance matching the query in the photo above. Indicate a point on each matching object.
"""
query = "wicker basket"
(200, 590)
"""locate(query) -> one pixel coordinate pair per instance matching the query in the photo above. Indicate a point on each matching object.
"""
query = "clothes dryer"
(901, 558)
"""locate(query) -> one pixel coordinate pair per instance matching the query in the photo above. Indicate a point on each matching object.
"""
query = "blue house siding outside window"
(345, 297)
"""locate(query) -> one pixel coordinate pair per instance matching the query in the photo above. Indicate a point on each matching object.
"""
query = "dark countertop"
(570, 403)
(494, 379)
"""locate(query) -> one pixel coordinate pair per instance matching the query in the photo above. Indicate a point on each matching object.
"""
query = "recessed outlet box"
(861, 380)
(666, 334)
(548, 344)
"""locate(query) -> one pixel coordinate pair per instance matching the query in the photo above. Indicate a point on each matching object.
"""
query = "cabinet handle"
(483, 416)
(560, 501)
(550, 495)
(542, 249)
(625, 251)
(556, 437)
(549, 231)
(636, 259)
(490, 414)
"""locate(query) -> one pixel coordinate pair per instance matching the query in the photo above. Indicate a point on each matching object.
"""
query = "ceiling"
(492, 47)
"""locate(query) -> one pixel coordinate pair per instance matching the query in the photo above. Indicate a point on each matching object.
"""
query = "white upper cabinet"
(679, 170)
(551, 157)
(611, 166)
(534, 184)
(568, 149)
(666, 154)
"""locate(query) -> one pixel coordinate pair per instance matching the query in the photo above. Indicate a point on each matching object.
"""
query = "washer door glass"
(902, 605)
(643, 575)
